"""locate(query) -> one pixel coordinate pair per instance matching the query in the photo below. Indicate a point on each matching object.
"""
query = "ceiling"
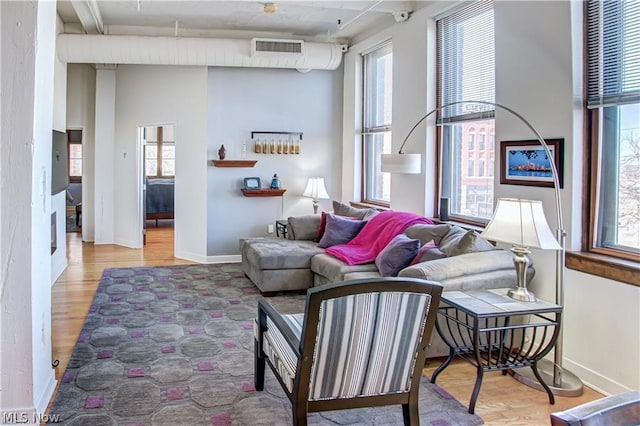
(323, 21)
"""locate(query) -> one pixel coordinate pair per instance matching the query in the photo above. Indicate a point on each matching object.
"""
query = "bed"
(159, 204)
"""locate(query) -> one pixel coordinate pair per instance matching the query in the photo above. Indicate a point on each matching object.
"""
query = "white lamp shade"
(521, 223)
(315, 189)
(401, 163)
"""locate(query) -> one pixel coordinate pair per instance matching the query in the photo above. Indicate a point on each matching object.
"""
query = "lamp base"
(571, 385)
(521, 294)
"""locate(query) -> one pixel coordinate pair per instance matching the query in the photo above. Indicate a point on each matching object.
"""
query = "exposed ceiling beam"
(89, 14)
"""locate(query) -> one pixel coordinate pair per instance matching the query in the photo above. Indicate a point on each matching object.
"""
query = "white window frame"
(376, 130)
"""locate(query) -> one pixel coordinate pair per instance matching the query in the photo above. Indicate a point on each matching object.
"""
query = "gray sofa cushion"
(426, 233)
(334, 269)
(278, 253)
(303, 227)
(463, 265)
(342, 209)
(460, 241)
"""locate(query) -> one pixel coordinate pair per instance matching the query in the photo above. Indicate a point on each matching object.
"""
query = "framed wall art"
(252, 183)
(526, 163)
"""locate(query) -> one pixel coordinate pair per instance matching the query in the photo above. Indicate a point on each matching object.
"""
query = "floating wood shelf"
(234, 163)
(264, 192)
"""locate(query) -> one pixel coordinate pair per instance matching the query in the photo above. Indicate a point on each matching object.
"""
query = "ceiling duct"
(148, 50)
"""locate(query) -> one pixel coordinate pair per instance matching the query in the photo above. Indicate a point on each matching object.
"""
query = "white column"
(104, 153)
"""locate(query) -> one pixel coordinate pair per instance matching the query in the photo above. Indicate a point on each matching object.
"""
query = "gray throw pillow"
(426, 232)
(461, 242)
(397, 255)
(342, 209)
(339, 230)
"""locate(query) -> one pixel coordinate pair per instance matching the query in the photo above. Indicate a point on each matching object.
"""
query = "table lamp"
(316, 191)
(521, 223)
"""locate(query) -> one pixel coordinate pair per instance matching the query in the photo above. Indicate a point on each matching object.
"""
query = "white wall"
(539, 74)
(151, 95)
(242, 100)
(18, 76)
(58, 202)
(43, 374)
(80, 107)
(26, 377)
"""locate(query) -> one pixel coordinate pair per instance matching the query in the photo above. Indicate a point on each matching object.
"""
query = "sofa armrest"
(303, 227)
(461, 265)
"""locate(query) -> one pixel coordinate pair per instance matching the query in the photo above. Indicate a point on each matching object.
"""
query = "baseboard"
(231, 258)
(59, 269)
(47, 394)
(594, 380)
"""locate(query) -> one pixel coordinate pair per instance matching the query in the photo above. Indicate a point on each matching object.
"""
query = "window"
(160, 152)
(465, 56)
(613, 110)
(376, 137)
(74, 138)
(481, 140)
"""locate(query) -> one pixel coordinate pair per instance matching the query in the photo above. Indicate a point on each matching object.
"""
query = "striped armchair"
(359, 343)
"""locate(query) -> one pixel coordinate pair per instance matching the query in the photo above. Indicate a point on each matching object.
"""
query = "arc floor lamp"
(561, 382)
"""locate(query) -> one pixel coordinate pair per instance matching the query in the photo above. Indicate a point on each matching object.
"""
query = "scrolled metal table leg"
(534, 367)
(476, 389)
(444, 365)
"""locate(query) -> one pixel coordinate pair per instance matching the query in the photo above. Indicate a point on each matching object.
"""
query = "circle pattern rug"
(174, 346)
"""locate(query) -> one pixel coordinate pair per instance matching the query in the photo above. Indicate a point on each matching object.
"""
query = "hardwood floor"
(502, 400)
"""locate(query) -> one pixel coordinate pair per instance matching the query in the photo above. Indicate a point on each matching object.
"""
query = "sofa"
(457, 258)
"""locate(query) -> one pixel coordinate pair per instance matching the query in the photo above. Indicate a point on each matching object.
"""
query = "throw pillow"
(342, 209)
(339, 230)
(321, 228)
(427, 252)
(464, 242)
(397, 255)
(427, 232)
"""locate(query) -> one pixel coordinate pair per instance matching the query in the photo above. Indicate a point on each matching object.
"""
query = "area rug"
(174, 346)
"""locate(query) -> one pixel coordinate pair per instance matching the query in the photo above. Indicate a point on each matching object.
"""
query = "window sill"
(463, 225)
(625, 271)
(363, 205)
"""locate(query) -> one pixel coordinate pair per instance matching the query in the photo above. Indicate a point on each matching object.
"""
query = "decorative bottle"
(275, 182)
(222, 152)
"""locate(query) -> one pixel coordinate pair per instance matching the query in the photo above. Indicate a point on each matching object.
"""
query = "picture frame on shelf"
(525, 162)
(252, 183)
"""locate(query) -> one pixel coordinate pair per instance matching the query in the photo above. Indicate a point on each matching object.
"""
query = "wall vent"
(270, 46)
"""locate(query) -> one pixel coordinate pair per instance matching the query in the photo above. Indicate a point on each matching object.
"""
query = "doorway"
(158, 183)
(74, 190)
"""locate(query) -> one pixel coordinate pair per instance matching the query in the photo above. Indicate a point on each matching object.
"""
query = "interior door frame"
(141, 177)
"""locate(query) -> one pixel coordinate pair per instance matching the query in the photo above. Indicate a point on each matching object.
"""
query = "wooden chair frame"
(304, 348)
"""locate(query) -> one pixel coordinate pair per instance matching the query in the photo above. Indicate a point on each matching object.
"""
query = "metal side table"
(496, 333)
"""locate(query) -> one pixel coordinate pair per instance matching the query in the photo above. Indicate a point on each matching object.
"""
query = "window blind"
(466, 62)
(613, 52)
(377, 81)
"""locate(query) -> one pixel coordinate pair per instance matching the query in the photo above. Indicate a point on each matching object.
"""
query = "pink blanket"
(374, 236)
